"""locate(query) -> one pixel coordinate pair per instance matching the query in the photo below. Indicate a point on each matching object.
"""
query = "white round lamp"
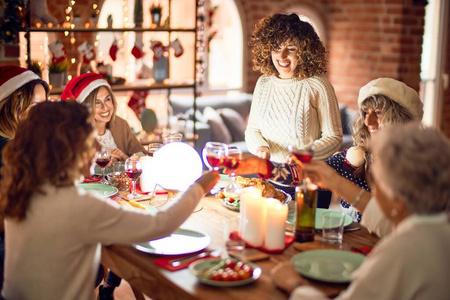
(178, 165)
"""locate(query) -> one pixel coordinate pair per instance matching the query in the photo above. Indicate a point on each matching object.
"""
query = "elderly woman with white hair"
(412, 188)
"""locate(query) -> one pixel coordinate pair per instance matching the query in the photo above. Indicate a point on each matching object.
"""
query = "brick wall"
(366, 40)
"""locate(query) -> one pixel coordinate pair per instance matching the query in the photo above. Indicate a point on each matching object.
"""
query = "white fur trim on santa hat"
(397, 91)
(16, 82)
(90, 87)
(355, 156)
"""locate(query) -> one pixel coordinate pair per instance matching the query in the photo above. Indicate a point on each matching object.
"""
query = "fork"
(177, 262)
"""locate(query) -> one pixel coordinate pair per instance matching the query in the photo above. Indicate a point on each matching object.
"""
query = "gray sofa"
(217, 119)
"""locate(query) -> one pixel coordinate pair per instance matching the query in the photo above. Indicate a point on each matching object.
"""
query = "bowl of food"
(120, 180)
(232, 201)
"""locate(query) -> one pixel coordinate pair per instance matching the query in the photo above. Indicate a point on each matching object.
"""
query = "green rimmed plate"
(318, 222)
(104, 190)
(182, 241)
(327, 265)
(208, 263)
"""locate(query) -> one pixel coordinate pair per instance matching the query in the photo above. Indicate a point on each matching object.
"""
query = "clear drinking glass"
(102, 159)
(133, 169)
(153, 147)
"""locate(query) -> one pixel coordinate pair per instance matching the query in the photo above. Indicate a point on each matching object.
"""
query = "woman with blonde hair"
(113, 132)
(54, 230)
(411, 185)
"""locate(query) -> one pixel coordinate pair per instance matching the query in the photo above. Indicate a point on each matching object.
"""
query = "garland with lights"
(12, 20)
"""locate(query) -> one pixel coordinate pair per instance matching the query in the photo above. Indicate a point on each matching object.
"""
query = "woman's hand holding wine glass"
(302, 150)
(102, 159)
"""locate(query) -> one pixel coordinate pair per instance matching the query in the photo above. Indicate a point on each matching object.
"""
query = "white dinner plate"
(104, 190)
(327, 265)
(182, 241)
(318, 222)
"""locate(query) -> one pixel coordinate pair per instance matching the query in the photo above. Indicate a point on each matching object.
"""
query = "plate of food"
(232, 201)
(225, 272)
(327, 265)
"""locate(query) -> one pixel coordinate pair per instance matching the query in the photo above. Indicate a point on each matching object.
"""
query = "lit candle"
(275, 224)
(254, 212)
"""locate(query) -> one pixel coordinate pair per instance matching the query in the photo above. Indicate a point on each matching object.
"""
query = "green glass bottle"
(305, 212)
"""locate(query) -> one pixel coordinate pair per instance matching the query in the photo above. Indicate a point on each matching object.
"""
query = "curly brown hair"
(13, 106)
(89, 102)
(50, 147)
(272, 32)
(391, 113)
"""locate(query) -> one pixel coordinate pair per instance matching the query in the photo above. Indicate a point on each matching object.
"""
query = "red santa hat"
(81, 86)
(12, 78)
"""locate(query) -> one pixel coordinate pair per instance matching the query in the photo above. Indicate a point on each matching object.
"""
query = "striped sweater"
(283, 110)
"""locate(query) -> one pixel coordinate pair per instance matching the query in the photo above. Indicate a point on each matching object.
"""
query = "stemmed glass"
(102, 159)
(133, 169)
(213, 157)
(303, 149)
(214, 154)
(231, 162)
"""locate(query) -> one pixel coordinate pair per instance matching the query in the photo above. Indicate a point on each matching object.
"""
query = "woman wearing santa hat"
(19, 90)
(113, 132)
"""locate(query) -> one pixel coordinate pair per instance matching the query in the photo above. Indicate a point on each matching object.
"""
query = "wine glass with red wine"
(102, 159)
(231, 162)
(302, 149)
(214, 154)
(133, 169)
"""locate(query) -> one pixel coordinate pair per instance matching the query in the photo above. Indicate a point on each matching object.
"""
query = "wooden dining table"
(140, 271)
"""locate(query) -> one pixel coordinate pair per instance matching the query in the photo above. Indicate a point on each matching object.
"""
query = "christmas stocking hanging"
(137, 102)
(137, 49)
(58, 51)
(177, 47)
(113, 50)
(87, 50)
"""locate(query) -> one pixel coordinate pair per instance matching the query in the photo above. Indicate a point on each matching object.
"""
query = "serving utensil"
(177, 261)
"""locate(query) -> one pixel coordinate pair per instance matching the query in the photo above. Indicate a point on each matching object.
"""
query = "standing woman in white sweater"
(293, 98)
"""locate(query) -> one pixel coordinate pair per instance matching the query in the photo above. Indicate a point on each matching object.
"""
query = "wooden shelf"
(139, 86)
(60, 29)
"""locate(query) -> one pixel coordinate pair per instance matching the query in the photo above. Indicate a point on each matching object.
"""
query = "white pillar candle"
(147, 180)
(275, 224)
(254, 213)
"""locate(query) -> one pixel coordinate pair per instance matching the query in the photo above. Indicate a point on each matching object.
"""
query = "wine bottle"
(305, 212)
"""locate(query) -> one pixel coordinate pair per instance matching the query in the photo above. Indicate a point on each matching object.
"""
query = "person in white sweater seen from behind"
(54, 230)
(293, 99)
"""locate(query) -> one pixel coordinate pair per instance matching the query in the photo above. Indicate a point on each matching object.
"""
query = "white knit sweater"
(283, 110)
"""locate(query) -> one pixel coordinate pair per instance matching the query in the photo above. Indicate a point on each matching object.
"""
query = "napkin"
(361, 250)
(92, 179)
(287, 241)
(164, 261)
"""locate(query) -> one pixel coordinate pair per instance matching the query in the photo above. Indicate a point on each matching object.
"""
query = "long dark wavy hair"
(13, 106)
(391, 113)
(272, 32)
(50, 147)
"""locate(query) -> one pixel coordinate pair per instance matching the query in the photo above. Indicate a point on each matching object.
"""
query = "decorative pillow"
(198, 115)
(219, 131)
(234, 122)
